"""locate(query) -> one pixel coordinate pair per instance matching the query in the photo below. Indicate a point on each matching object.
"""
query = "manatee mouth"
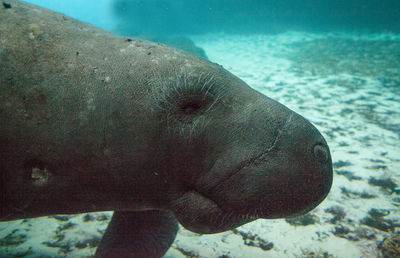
(201, 212)
(202, 215)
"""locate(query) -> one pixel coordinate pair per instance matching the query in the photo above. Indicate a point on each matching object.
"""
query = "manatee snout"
(296, 175)
(290, 176)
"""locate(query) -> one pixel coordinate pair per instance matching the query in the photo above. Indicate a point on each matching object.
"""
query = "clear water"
(337, 63)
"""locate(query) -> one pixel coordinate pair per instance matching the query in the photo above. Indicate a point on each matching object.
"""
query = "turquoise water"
(98, 13)
(337, 63)
(266, 16)
(167, 17)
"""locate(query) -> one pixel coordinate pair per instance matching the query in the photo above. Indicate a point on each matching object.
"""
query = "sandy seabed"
(348, 86)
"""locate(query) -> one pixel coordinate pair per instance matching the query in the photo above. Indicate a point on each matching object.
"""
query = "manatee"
(95, 122)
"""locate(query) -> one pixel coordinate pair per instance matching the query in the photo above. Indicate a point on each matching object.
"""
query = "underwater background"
(337, 63)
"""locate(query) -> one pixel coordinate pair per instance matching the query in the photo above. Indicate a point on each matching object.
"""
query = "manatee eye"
(190, 107)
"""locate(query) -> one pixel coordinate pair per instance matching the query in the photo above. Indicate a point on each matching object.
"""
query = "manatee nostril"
(321, 153)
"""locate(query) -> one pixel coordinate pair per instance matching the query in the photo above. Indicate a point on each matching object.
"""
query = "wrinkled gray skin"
(94, 122)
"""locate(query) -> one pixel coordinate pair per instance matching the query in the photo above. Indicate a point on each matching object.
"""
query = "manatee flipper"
(138, 234)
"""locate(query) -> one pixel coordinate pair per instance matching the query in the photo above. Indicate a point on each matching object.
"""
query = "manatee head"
(233, 154)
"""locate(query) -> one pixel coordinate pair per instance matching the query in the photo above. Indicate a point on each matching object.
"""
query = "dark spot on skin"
(6, 5)
(37, 97)
(190, 107)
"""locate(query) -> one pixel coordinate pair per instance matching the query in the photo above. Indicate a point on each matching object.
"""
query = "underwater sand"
(348, 86)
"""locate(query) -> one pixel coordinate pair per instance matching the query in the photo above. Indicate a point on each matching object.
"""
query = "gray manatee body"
(94, 122)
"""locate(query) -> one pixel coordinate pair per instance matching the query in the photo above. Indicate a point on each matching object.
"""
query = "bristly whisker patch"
(183, 99)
